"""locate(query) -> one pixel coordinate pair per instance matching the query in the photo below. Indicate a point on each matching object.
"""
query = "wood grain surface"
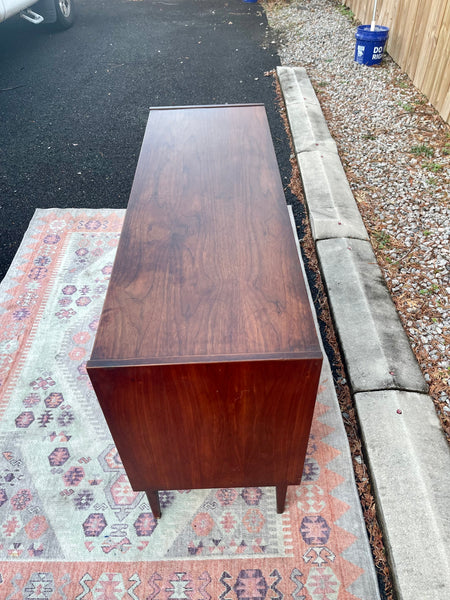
(207, 264)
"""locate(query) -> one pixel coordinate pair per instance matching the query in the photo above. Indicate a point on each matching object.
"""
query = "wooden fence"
(419, 41)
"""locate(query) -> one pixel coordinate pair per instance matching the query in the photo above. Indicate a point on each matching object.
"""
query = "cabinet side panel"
(210, 425)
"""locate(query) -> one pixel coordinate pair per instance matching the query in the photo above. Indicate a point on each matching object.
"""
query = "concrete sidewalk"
(405, 447)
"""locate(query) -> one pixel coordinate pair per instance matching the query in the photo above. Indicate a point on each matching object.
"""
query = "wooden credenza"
(206, 361)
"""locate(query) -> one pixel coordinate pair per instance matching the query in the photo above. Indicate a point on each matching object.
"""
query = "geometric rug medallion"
(71, 527)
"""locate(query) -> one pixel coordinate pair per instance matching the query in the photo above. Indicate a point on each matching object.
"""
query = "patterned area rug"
(70, 524)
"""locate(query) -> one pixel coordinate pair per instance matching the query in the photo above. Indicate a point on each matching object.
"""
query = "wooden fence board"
(437, 81)
(425, 54)
(393, 20)
(417, 43)
(407, 22)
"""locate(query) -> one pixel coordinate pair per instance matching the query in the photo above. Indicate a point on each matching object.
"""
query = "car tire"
(64, 14)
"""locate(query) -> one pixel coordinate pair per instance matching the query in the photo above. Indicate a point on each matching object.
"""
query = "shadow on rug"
(70, 524)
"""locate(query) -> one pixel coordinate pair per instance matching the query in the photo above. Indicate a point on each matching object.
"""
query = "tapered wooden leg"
(153, 499)
(281, 497)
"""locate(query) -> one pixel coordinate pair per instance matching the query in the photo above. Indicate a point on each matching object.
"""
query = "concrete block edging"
(331, 205)
(411, 493)
(375, 346)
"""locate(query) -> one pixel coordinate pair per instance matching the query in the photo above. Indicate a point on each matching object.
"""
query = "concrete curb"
(374, 343)
(333, 212)
(411, 493)
(309, 128)
(409, 459)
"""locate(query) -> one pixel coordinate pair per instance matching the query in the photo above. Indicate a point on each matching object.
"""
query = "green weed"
(423, 150)
(432, 166)
(406, 106)
(383, 239)
(347, 12)
(429, 291)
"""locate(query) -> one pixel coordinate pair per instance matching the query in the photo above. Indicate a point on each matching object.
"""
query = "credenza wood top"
(207, 266)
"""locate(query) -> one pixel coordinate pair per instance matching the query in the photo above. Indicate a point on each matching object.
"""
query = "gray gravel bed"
(395, 149)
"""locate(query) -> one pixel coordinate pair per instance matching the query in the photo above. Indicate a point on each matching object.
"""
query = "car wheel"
(64, 14)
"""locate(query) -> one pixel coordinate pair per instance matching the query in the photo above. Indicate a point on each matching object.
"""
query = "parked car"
(58, 13)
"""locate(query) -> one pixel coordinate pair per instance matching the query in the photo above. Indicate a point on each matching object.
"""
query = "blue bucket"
(370, 44)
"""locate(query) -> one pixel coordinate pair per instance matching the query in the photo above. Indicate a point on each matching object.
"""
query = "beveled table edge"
(315, 354)
(195, 106)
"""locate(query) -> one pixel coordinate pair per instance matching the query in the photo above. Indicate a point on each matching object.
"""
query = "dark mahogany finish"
(206, 360)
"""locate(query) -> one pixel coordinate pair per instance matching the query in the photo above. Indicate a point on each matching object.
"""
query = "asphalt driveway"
(73, 105)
